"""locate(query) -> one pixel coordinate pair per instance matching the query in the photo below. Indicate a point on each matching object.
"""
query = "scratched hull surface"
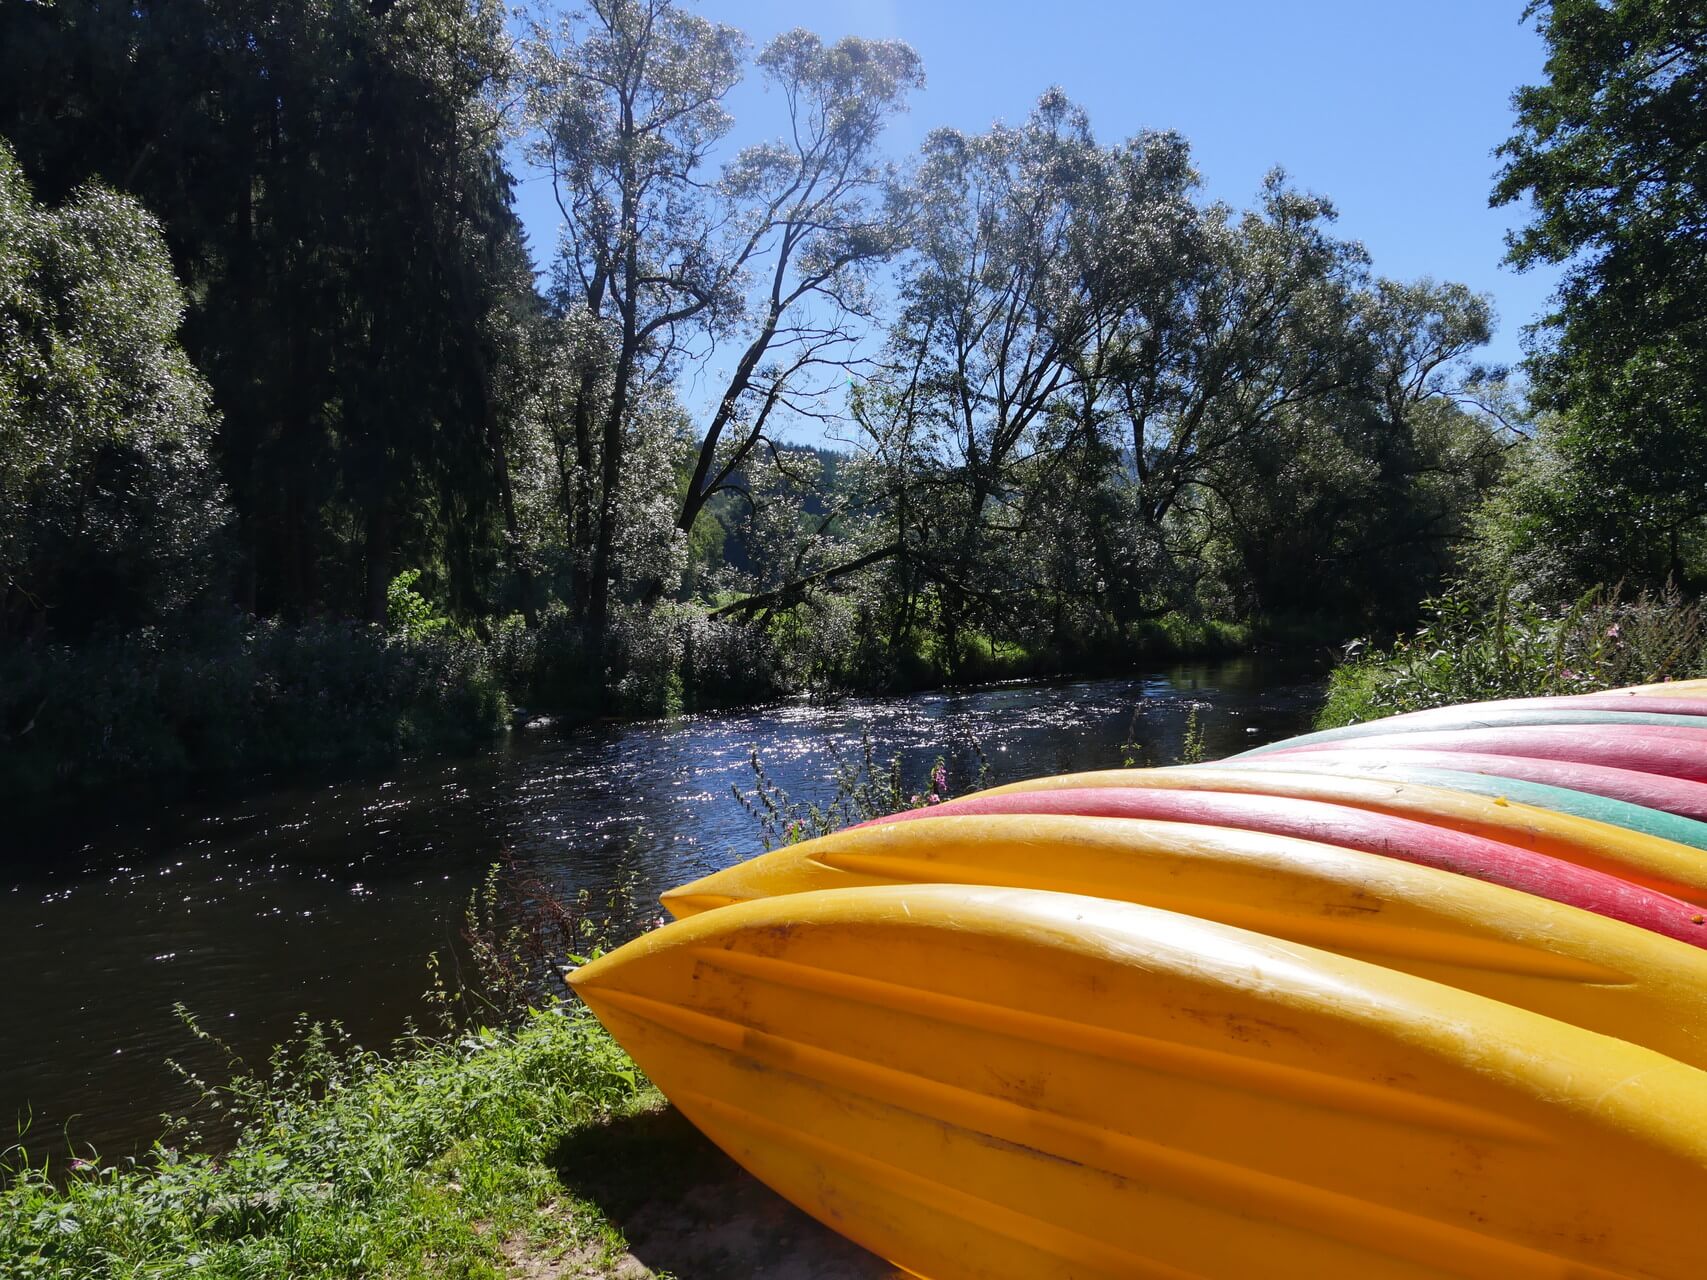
(1661, 749)
(1654, 791)
(1642, 859)
(1392, 835)
(1009, 1083)
(1490, 717)
(1614, 978)
(1471, 774)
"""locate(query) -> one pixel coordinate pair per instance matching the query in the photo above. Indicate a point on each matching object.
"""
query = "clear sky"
(1392, 110)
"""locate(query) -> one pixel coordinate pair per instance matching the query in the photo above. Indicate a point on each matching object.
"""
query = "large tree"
(330, 183)
(664, 260)
(1612, 152)
(110, 509)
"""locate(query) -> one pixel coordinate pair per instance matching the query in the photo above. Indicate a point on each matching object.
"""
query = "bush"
(232, 699)
(1471, 650)
(111, 512)
(656, 662)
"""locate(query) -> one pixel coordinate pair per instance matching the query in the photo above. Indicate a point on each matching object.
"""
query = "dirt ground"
(686, 1212)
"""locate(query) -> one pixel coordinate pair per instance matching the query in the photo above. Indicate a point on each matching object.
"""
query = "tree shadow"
(687, 1209)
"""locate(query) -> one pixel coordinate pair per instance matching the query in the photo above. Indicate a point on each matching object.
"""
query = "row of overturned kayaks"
(1423, 997)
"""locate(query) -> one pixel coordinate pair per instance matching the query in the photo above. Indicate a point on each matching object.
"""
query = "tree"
(984, 346)
(625, 108)
(1612, 151)
(111, 512)
(330, 182)
(819, 211)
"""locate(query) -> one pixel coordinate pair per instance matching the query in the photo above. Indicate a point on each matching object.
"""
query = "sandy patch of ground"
(685, 1212)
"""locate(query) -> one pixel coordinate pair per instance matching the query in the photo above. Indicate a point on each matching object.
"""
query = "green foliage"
(110, 511)
(1193, 750)
(1471, 650)
(1611, 151)
(331, 186)
(407, 610)
(347, 1163)
(231, 699)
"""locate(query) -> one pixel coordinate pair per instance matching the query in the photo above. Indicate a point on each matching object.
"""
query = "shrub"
(1470, 650)
(230, 698)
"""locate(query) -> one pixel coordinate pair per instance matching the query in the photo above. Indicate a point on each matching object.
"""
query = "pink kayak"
(1666, 750)
(1373, 832)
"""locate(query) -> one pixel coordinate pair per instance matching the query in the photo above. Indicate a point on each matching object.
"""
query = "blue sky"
(1392, 110)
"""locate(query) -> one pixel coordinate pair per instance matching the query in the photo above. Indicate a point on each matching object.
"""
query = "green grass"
(427, 1161)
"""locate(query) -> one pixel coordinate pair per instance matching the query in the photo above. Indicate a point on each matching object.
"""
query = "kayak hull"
(1645, 860)
(1527, 951)
(1665, 750)
(1005, 1083)
(1391, 835)
(1669, 795)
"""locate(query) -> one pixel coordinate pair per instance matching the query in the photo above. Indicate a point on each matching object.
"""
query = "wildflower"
(933, 798)
(939, 779)
(914, 800)
(1612, 632)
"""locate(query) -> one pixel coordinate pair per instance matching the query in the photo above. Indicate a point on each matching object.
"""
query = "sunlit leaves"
(109, 507)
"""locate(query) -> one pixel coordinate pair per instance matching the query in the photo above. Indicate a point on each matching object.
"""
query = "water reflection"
(326, 899)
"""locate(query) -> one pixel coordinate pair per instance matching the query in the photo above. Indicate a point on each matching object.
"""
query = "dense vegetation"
(276, 361)
(285, 408)
(1468, 650)
(350, 1163)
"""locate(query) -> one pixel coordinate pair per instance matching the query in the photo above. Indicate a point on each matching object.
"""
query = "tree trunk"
(378, 555)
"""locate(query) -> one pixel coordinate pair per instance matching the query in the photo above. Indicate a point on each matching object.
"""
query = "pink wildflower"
(933, 798)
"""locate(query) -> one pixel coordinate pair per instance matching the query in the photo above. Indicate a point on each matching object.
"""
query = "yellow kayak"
(1007, 1083)
(1562, 961)
(1635, 856)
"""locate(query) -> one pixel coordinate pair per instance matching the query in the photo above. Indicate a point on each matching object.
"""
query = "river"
(326, 899)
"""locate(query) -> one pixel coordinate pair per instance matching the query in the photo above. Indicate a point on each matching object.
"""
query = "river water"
(327, 899)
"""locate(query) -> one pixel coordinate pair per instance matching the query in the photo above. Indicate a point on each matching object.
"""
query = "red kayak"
(1651, 790)
(1403, 838)
(1661, 749)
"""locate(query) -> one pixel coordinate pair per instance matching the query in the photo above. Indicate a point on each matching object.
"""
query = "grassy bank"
(1471, 650)
(436, 1159)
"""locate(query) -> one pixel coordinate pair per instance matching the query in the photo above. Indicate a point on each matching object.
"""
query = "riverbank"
(250, 905)
(226, 700)
(538, 1153)
(436, 1159)
(1473, 650)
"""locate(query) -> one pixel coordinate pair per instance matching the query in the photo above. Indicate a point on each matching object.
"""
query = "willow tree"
(668, 259)
(111, 513)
